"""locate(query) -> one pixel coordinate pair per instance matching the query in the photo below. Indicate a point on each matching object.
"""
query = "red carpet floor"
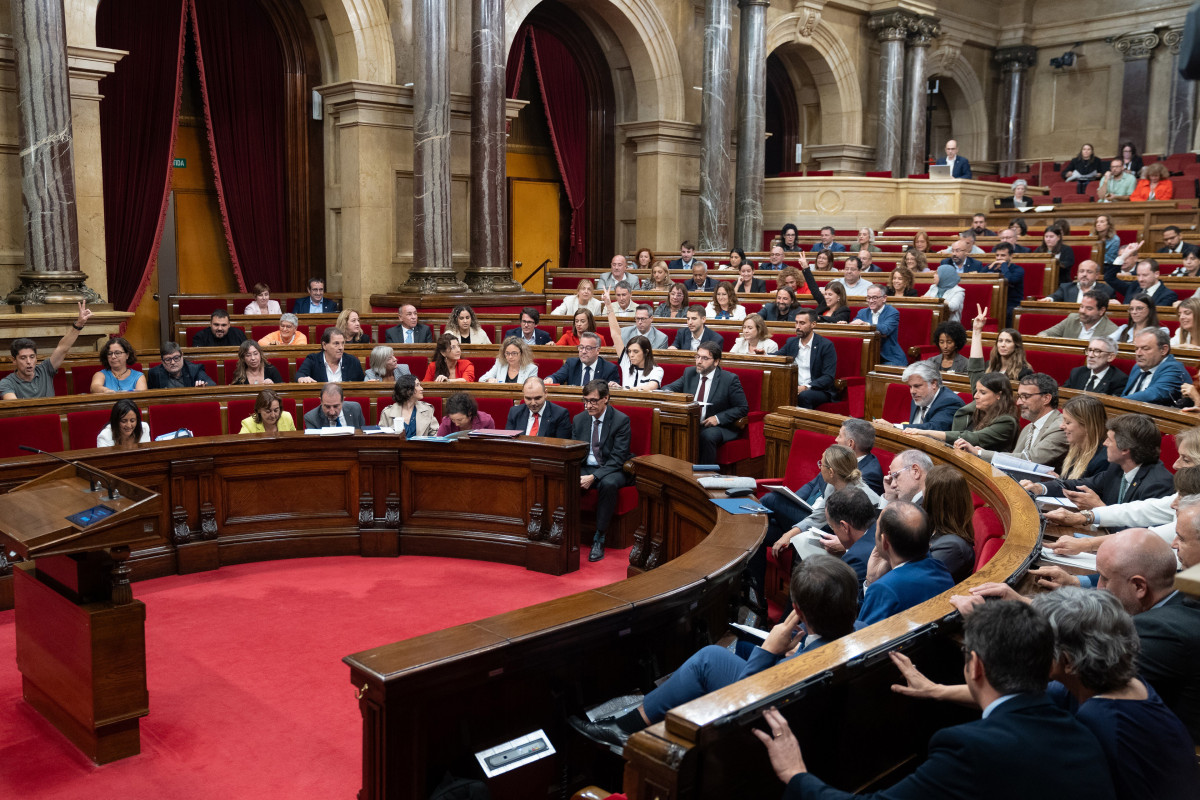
(248, 694)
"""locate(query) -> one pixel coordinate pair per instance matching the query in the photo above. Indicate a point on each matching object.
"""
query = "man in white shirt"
(851, 279)
(1041, 441)
(643, 317)
(1090, 322)
(610, 279)
(623, 303)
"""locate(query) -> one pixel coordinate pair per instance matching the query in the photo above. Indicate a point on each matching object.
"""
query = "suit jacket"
(1069, 292)
(902, 588)
(962, 167)
(539, 335)
(822, 364)
(1112, 383)
(889, 325)
(724, 395)
(1185, 248)
(678, 263)
(556, 422)
(614, 440)
(1170, 651)
(205, 338)
(658, 339)
(976, 760)
(351, 412)
(683, 338)
(1072, 326)
(313, 366)
(836, 247)
(1017, 248)
(1164, 383)
(709, 284)
(1050, 448)
(770, 313)
(757, 286)
(571, 372)
(301, 305)
(1150, 480)
(940, 414)
(157, 377)
(1127, 287)
(422, 334)
(969, 265)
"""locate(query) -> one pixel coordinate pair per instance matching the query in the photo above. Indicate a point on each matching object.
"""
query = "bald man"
(959, 166)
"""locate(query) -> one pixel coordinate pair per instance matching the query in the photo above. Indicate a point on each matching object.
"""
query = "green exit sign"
(180, 163)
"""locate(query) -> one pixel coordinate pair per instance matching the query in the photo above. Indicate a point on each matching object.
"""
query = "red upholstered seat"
(1035, 278)
(497, 407)
(1032, 323)
(966, 396)
(1169, 452)
(1074, 198)
(201, 306)
(853, 402)
(1056, 365)
(989, 549)
(1082, 252)
(916, 328)
(258, 332)
(1185, 188)
(202, 419)
(802, 464)
(482, 364)
(987, 527)
(238, 410)
(1060, 188)
(897, 403)
(82, 374)
(974, 294)
(1176, 162)
(43, 431)
(84, 426)
(729, 339)
(885, 459)
(547, 366)
(416, 364)
(516, 331)
(672, 372)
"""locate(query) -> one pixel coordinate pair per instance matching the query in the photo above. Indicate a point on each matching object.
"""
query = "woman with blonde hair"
(1188, 333)
(1084, 421)
(583, 298)
(901, 284)
(349, 324)
(755, 338)
(660, 278)
(514, 364)
(839, 467)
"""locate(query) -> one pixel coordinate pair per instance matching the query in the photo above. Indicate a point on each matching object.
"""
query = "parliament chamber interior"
(639, 399)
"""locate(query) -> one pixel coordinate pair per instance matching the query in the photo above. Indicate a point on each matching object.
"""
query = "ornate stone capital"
(892, 24)
(1173, 39)
(1016, 58)
(946, 54)
(1137, 46)
(808, 17)
(923, 31)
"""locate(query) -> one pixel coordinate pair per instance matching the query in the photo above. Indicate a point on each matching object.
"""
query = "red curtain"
(242, 80)
(138, 119)
(516, 63)
(564, 98)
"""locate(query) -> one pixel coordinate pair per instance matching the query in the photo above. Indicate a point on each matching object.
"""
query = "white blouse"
(569, 306)
(739, 312)
(272, 308)
(105, 437)
(499, 372)
(742, 347)
(634, 379)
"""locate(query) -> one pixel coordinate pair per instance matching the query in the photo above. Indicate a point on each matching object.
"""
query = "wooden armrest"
(839, 383)
(742, 423)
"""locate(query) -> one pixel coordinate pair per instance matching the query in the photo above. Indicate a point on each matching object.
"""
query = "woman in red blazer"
(448, 365)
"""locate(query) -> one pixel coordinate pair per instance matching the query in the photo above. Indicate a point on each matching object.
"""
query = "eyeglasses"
(591, 401)
(588, 347)
(1096, 351)
(175, 359)
(1026, 396)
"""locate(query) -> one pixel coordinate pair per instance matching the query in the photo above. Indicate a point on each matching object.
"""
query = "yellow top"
(250, 425)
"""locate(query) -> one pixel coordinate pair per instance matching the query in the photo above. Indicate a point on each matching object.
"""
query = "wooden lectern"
(81, 639)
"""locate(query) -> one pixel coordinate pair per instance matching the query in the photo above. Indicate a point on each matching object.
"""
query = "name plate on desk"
(91, 516)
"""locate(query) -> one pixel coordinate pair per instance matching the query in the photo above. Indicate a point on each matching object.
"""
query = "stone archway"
(832, 68)
(965, 101)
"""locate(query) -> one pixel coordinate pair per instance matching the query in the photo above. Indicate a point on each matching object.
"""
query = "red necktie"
(700, 391)
(533, 431)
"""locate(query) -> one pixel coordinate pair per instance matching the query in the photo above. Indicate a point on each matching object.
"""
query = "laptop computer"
(941, 172)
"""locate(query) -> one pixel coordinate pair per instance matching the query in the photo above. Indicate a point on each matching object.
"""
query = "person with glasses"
(316, 302)
(529, 332)
(906, 480)
(1090, 321)
(608, 433)
(175, 371)
(887, 322)
(117, 376)
(1098, 375)
(1042, 441)
(587, 367)
(721, 398)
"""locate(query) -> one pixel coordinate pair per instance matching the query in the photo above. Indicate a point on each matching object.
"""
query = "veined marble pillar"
(714, 128)
(752, 124)
(1136, 49)
(51, 273)
(489, 270)
(891, 28)
(923, 32)
(1014, 61)
(1181, 118)
(433, 267)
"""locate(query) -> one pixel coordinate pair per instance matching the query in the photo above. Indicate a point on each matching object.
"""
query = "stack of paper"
(1085, 561)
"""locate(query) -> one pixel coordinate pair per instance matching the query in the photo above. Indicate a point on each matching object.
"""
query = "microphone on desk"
(100, 478)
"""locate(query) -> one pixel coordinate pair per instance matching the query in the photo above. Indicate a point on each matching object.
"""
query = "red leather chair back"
(43, 431)
(202, 419)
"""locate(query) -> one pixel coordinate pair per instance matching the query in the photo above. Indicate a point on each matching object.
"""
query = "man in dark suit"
(1009, 650)
(719, 393)
(960, 167)
(219, 333)
(315, 303)
(334, 411)
(1099, 375)
(685, 260)
(587, 367)
(1173, 242)
(538, 417)
(784, 309)
(816, 358)
(696, 332)
(823, 594)
(979, 226)
(933, 405)
(175, 371)
(961, 260)
(1087, 278)
(529, 331)
(902, 539)
(827, 242)
(1158, 375)
(607, 432)
(410, 330)
(1134, 472)
(1145, 281)
(332, 364)
(700, 280)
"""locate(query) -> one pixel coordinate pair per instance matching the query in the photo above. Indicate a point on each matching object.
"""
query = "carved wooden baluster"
(534, 528)
(122, 592)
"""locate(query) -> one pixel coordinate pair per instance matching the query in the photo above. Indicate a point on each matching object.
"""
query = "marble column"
(1013, 61)
(433, 267)
(1136, 49)
(1181, 119)
(921, 36)
(752, 124)
(489, 270)
(714, 128)
(891, 28)
(52, 273)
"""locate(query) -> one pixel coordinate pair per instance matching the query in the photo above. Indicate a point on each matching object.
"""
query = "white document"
(808, 542)
(1046, 503)
(1085, 561)
(746, 629)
